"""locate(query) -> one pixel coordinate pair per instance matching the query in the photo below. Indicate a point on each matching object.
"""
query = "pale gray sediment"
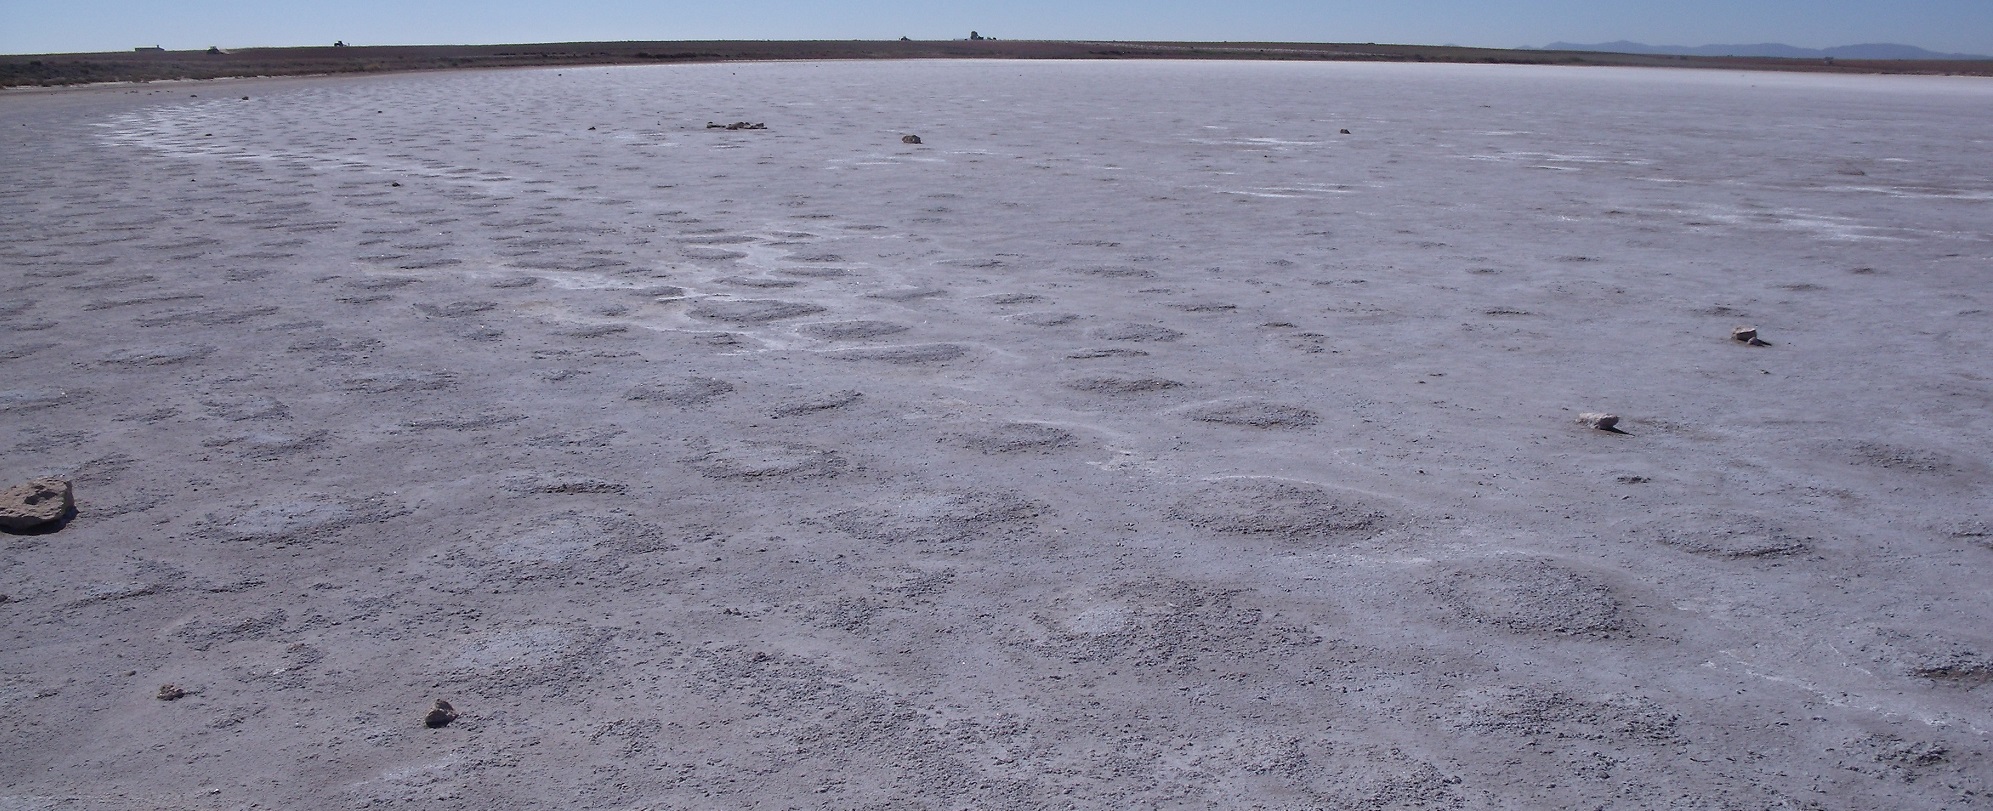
(1136, 441)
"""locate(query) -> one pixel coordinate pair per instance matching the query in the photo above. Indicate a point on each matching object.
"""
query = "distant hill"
(1880, 50)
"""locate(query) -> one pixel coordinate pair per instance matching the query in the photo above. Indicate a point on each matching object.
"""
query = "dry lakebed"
(1157, 435)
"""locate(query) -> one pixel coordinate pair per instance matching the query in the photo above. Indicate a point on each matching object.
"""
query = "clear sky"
(52, 26)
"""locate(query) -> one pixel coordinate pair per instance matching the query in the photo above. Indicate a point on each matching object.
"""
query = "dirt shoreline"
(131, 66)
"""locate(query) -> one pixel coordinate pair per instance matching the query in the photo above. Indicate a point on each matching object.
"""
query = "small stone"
(440, 716)
(1744, 334)
(171, 692)
(35, 504)
(909, 139)
(1342, 132)
(1603, 422)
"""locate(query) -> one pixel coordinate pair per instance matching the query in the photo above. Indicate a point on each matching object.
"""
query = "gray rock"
(909, 139)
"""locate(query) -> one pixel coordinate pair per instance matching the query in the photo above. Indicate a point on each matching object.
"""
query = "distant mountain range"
(1881, 50)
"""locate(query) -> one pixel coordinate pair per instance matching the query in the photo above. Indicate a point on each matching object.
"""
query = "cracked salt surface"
(1139, 439)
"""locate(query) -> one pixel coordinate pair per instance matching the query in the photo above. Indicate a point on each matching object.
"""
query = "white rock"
(1603, 422)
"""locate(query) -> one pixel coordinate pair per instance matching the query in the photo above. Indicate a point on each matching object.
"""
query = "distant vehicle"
(148, 48)
(339, 44)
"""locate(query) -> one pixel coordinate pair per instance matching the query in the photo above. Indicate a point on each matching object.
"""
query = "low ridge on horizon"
(1870, 50)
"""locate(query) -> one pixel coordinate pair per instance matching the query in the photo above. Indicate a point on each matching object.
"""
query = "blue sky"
(48, 26)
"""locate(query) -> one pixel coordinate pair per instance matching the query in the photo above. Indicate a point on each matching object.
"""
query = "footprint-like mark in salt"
(691, 391)
(826, 401)
(1114, 384)
(851, 330)
(1153, 621)
(1251, 412)
(544, 554)
(814, 272)
(907, 354)
(719, 239)
(1015, 437)
(383, 282)
(1046, 319)
(456, 309)
(1013, 298)
(924, 517)
(697, 255)
(907, 294)
(1528, 595)
(1113, 272)
(1202, 306)
(1943, 657)
(749, 460)
(1731, 536)
(400, 381)
(1909, 459)
(299, 519)
(1135, 332)
(1289, 512)
(504, 661)
(1093, 353)
(268, 446)
(1536, 711)
(759, 282)
(158, 355)
(249, 407)
(752, 311)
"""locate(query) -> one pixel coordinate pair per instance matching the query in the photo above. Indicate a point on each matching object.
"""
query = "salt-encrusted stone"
(1603, 422)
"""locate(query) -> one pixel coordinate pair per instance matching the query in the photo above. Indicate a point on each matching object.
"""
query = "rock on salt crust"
(36, 504)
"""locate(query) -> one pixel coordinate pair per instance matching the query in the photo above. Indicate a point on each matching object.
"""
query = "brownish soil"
(66, 69)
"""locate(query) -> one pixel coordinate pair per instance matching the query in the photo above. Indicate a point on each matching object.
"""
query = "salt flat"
(1138, 440)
